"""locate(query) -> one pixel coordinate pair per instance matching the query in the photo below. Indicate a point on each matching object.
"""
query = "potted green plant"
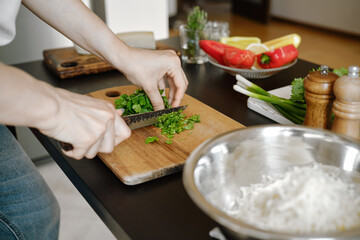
(190, 35)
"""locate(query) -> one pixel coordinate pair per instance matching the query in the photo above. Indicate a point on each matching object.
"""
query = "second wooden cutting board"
(134, 162)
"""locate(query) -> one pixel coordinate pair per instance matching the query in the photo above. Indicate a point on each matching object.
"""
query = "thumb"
(155, 98)
(120, 111)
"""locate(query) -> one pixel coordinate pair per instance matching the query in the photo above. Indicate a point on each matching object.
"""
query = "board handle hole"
(69, 64)
(112, 93)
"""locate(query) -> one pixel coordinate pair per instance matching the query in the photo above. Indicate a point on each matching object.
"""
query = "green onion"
(294, 111)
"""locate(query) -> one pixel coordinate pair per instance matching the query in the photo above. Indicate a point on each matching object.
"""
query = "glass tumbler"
(189, 43)
(215, 30)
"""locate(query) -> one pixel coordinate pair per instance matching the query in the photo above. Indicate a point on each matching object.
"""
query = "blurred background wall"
(342, 16)
(33, 35)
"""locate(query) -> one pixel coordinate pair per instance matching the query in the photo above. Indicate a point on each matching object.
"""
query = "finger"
(94, 149)
(171, 90)
(77, 153)
(155, 98)
(122, 130)
(105, 141)
(162, 85)
(178, 85)
(120, 111)
(108, 142)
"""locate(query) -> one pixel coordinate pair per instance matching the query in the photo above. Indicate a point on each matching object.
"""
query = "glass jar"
(189, 44)
(214, 30)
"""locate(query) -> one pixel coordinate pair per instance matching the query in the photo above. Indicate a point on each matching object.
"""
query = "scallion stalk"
(281, 102)
(294, 111)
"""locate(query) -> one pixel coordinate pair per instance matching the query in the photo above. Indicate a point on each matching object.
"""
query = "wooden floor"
(318, 45)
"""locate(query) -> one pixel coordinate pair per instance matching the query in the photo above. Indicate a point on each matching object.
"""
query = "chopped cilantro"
(175, 123)
(151, 139)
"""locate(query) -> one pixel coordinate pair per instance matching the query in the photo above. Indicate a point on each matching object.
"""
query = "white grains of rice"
(308, 199)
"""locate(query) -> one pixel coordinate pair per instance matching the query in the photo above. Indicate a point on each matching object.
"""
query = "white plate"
(251, 73)
(266, 109)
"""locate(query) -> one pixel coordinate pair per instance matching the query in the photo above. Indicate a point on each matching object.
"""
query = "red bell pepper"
(277, 57)
(238, 58)
(214, 49)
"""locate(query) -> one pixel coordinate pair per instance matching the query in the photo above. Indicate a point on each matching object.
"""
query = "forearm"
(24, 100)
(89, 124)
(145, 68)
(73, 19)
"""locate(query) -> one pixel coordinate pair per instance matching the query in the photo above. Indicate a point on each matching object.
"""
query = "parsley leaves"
(151, 139)
(138, 102)
(170, 124)
(298, 90)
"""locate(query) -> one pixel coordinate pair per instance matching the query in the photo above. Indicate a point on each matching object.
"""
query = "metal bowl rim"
(239, 226)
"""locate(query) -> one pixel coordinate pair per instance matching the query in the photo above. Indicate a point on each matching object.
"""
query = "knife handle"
(66, 146)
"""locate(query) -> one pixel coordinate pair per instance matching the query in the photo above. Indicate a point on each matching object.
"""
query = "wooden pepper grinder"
(347, 104)
(319, 97)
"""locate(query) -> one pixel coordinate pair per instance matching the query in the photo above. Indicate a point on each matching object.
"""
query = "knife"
(135, 121)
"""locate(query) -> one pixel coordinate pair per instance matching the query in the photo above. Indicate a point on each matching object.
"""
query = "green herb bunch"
(174, 123)
(138, 102)
(297, 85)
(298, 90)
(196, 21)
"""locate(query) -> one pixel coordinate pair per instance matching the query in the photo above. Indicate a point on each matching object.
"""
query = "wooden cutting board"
(68, 63)
(134, 162)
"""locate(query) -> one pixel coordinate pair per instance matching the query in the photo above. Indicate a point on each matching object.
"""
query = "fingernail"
(120, 110)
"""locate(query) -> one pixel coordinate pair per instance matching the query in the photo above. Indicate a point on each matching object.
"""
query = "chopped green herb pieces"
(175, 123)
(151, 140)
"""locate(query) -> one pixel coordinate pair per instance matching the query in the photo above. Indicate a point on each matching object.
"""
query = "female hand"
(148, 69)
(90, 125)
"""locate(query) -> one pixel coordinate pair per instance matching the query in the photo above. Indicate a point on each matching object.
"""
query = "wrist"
(118, 54)
(48, 107)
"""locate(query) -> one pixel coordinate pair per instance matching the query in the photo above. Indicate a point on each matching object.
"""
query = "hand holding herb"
(138, 102)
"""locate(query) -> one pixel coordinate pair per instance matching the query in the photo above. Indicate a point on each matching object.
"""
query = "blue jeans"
(28, 209)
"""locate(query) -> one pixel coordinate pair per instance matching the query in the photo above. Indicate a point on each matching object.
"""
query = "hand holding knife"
(135, 121)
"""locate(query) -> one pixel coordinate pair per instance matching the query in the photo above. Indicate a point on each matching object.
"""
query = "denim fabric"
(28, 209)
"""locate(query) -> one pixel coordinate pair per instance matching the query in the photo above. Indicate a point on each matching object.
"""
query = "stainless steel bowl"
(238, 158)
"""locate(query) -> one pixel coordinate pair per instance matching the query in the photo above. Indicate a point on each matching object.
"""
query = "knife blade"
(135, 121)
